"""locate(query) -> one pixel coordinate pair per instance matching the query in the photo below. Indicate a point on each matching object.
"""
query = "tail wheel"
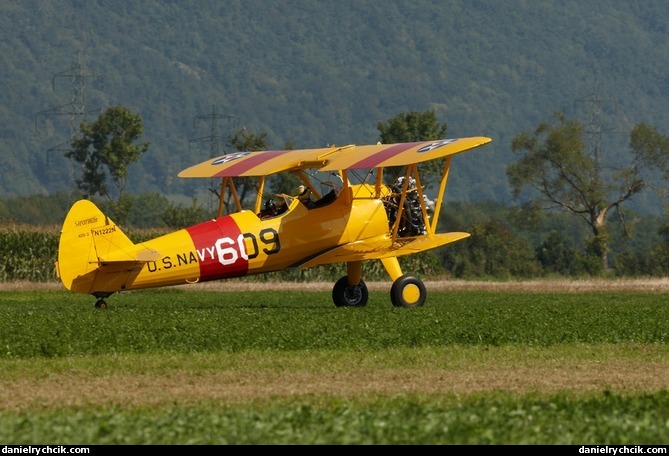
(408, 291)
(345, 295)
(100, 304)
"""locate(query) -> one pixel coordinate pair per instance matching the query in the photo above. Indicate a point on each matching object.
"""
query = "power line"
(594, 128)
(213, 138)
(75, 110)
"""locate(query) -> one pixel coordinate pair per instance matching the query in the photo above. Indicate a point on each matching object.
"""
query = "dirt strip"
(650, 285)
(77, 389)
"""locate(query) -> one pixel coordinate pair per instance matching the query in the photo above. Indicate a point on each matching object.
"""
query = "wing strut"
(400, 209)
(421, 199)
(261, 191)
(233, 191)
(440, 194)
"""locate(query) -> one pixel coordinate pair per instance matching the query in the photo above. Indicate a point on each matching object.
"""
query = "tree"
(411, 127)
(491, 251)
(177, 217)
(147, 210)
(243, 141)
(556, 255)
(659, 254)
(105, 149)
(566, 177)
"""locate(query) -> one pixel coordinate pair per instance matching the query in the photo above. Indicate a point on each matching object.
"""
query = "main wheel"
(345, 295)
(101, 304)
(408, 291)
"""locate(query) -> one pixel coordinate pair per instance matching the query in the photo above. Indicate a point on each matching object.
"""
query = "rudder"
(87, 238)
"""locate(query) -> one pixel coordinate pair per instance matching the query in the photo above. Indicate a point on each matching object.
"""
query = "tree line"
(556, 173)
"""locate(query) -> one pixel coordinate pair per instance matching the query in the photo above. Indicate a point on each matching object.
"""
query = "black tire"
(345, 295)
(408, 291)
(101, 304)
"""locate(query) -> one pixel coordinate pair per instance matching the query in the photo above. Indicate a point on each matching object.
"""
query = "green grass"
(49, 324)
(490, 419)
(47, 335)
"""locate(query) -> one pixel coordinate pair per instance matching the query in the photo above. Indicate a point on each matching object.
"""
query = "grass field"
(276, 366)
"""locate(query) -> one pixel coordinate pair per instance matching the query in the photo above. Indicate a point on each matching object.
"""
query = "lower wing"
(381, 247)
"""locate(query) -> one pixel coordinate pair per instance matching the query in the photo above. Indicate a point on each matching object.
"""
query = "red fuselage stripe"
(219, 248)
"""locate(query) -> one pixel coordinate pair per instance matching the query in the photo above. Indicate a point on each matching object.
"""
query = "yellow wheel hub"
(411, 294)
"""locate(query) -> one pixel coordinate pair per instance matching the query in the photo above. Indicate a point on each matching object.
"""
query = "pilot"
(304, 195)
(271, 209)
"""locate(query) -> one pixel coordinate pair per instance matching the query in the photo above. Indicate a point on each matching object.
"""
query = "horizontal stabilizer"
(141, 256)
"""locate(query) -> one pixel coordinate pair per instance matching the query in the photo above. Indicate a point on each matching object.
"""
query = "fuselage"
(244, 244)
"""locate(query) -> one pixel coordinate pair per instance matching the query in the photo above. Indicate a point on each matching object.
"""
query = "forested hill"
(320, 72)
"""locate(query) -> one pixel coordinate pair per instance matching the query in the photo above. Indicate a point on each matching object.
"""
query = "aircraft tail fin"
(90, 242)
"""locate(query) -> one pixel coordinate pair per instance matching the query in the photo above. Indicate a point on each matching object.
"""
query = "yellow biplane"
(346, 213)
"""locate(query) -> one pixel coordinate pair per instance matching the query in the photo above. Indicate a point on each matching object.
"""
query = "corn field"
(28, 253)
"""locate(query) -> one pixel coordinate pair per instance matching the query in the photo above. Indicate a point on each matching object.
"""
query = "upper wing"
(400, 154)
(264, 163)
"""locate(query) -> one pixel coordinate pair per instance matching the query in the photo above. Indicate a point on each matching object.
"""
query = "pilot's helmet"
(271, 207)
(301, 190)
